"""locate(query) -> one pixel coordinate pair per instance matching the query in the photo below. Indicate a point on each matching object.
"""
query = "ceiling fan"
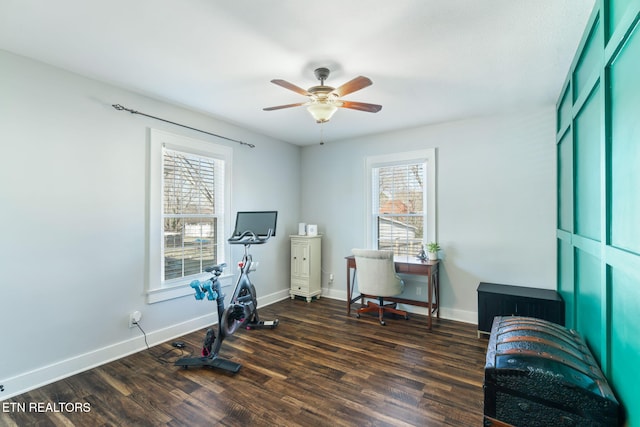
(325, 100)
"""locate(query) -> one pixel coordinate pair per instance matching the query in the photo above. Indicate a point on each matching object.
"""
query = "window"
(192, 209)
(188, 211)
(401, 204)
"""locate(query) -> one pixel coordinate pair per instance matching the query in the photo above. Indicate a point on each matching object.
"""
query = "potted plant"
(432, 250)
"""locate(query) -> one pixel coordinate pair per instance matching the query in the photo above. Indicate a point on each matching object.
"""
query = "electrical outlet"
(134, 318)
(331, 278)
(418, 290)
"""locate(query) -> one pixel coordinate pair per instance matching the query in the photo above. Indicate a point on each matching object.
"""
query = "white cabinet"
(305, 266)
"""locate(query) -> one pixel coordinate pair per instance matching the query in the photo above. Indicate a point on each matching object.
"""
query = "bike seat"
(217, 268)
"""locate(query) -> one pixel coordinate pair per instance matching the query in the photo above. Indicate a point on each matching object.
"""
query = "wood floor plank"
(318, 367)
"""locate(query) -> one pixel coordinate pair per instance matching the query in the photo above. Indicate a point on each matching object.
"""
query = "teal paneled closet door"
(598, 175)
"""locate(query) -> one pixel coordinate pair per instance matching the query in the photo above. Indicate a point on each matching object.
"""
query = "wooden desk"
(405, 265)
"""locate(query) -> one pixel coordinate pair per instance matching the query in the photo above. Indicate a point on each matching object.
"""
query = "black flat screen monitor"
(258, 222)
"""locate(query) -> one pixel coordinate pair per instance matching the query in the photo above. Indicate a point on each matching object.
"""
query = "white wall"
(495, 194)
(72, 185)
(72, 252)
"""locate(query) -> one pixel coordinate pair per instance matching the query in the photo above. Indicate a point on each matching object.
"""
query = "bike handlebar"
(248, 237)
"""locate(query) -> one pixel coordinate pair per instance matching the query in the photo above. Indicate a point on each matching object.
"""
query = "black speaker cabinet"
(505, 300)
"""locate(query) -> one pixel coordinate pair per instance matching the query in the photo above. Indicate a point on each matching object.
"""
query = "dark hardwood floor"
(317, 368)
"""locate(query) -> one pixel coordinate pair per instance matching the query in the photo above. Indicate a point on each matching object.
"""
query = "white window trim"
(156, 290)
(428, 155)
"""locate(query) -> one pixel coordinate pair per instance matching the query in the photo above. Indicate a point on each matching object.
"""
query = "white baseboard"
(273, 298)
(334, 294)
(44, 375)
(56, 371)
(48, 374)
(459, 315)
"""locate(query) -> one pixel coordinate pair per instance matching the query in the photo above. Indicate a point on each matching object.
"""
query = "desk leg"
(436, 284)
(348, 291)
(430, 297)
(351, 281)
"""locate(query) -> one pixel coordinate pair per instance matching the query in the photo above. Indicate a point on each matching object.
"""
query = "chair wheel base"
(381, 309)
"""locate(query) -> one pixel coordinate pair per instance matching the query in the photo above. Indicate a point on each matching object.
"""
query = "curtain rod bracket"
(122, 108)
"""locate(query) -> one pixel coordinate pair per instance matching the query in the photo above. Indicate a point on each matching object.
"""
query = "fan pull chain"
(322, 133)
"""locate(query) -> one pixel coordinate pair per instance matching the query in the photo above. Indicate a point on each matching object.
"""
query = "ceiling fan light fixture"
(324, 100)
(321, 112)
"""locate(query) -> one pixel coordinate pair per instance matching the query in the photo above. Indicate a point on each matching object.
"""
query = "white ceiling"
(430, 60)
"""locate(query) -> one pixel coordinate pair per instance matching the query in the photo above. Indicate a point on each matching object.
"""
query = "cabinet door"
(491, 305)
(488, 307)
(299, 259)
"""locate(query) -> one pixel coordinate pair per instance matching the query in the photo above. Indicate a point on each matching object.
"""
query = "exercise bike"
(242, 310)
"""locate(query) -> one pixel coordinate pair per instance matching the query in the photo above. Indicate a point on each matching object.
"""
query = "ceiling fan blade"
(285, 84)
(353, 85)
(361, 106)
(280, 107)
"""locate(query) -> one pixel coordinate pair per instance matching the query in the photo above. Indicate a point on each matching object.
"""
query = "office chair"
(376, 276)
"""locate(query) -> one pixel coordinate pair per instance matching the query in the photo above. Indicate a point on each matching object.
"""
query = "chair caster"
(357, 315)
(382, 322)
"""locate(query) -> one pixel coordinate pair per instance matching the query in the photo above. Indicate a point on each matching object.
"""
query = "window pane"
(399, 206)
(190, 217)
(189, 184)
(401, 189)
(199, 243)
(190, 246)
(173, 252)
(401, 234)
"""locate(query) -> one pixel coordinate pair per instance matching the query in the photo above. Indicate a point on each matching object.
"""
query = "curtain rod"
(121, 108)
